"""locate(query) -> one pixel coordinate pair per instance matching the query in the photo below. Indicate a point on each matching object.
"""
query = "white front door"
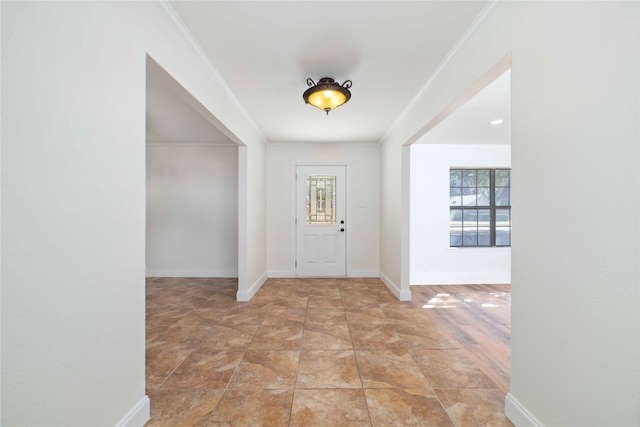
(320, 221)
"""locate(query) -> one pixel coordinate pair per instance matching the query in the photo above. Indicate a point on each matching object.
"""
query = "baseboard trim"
(517, 413)
(287, 274)
(283, 274)
(246, 295)
(364, 273)
(457, 278)
(401, 295)
(138, 416)
(192, 273)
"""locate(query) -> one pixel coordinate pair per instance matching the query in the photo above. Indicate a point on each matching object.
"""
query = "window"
(479, 207)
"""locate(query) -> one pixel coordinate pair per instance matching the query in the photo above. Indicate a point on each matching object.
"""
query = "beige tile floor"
(316, 352)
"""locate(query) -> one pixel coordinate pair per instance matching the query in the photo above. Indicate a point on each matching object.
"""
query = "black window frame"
(491, 207)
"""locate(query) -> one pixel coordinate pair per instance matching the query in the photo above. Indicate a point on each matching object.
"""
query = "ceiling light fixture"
(327, 94)
(497, 122)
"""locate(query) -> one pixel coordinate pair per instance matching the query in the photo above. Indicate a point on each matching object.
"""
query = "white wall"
(73, 202)
(575, 140)
(363, 216)
(192, 210)
(432, 260)
(255, 209)
(391, 216)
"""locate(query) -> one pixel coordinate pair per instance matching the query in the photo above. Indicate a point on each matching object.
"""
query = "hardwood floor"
(326, 352)
(478, 317)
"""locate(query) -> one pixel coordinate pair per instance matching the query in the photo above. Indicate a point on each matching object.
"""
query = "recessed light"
(497, 122)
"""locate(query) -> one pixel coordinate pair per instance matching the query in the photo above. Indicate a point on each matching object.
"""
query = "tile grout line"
(353, 344)
(295, 381)
(377, 297)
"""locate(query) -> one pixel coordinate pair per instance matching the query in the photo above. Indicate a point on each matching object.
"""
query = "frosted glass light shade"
(327, 94)
(327, 99)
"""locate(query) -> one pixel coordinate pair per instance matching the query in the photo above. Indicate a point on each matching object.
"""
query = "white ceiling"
(170, 117)
(471, 123)
(265, 51)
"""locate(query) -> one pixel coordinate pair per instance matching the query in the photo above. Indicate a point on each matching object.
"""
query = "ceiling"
(266, 50)
(170, 115)
(471, 122)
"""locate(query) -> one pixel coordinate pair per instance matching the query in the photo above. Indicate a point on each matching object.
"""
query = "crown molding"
(322, 144)
(173, 15)
(189, 144)
(439, 69)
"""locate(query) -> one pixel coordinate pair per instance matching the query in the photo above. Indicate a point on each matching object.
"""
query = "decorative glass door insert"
(321, 199)
(321, 221)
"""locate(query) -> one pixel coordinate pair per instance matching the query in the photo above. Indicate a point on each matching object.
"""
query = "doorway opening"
(472, 141)
(191, 187)
(471, 136)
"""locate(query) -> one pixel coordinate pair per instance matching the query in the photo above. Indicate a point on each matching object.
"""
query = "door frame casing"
(293, 165)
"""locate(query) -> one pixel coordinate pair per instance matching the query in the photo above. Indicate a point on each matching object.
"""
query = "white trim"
(517, 414)
(287, 274)
(292, 216)
(322, 144)
(282, 274)
(197, 105)
(243, 222)
(1, 227)
(364, 273)
(214, 144)
(205, 58)
(347, 219)
(246, 295)
(445, 61)
(486, 249)
(485, 80)
(293, 164)
(405, 221)
(138, 416)
(457, 278)
(319, 163)
(192, 273)
(401, 295)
